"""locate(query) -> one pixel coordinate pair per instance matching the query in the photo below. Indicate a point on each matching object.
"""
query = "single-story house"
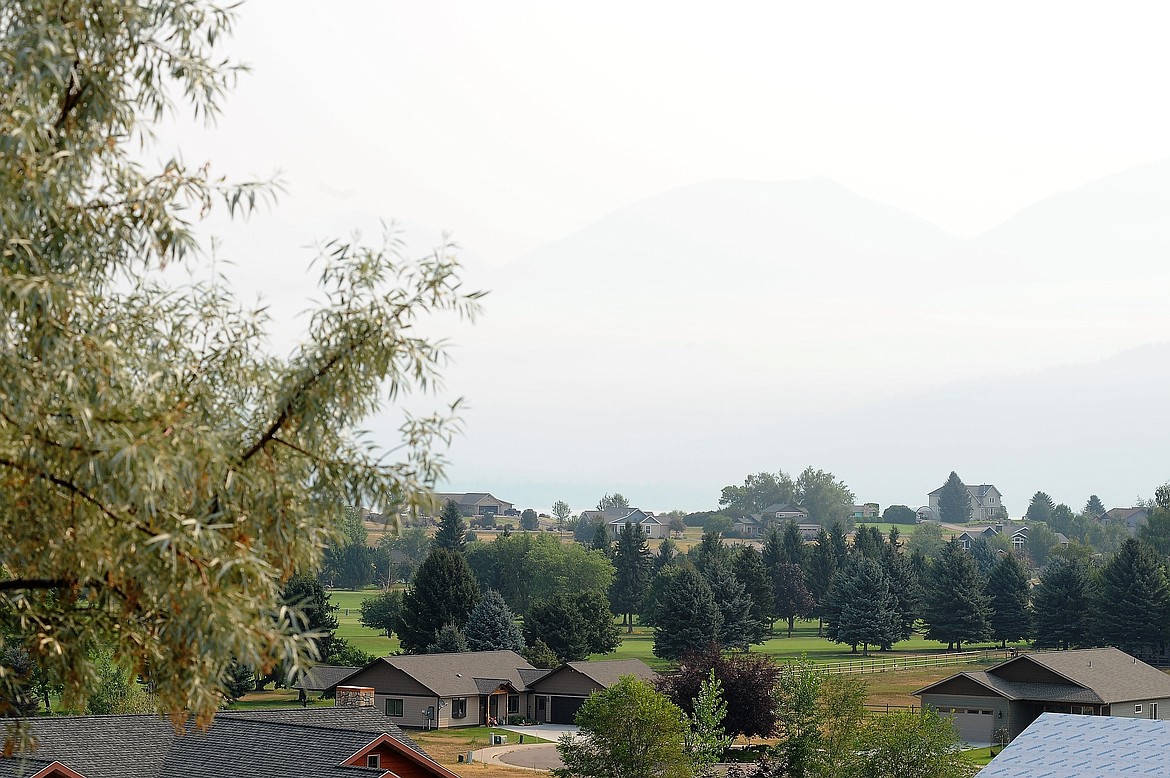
(748, 527)
(1012, 694)
(322, 677)
(866, 512)
(1091, 746)
(475, 503)
(970, 536)
(783, 512)
(321, 742)
(558, 694)
(428, 691)
(467, 689)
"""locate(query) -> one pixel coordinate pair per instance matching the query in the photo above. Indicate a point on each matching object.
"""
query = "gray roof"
(1095, 675)
(1087, 746)
(455, 674)
(783, 507)
(607, 672)
(531, 676)
(321, 677)
(311, 743)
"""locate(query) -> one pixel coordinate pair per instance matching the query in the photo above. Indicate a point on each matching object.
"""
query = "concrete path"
(551, 732)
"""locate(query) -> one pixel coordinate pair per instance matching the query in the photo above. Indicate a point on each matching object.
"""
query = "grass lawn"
(446, 746)
(276, 698)
(348, 626)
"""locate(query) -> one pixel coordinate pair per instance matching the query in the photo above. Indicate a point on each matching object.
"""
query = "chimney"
(354, 696)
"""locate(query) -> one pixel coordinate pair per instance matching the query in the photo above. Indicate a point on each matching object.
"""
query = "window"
(373, 760)
(393, 707)
(513, 703)
(459, 708)
(1137, 708)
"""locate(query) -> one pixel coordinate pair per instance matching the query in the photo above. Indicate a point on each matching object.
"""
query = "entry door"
(541, 709)
(1153, 710)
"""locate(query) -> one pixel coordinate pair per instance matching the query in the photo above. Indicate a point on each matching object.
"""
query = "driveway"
(543, 756)
(551, 732)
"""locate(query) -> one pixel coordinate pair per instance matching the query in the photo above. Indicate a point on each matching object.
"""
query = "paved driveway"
(551, 732)
(542, 756)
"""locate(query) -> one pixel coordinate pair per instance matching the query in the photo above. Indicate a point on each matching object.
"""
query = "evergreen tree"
(984, 556)
(633, 568)
(656, 594)
(863, 609)
(838, 545)
(443, 592)
(1007, 588)
(1094, 508)
(791, 599)
(773, 553)
(667, 551)
(450, 640)
(540, 656)
(492, 626)
(906, 588)
(601, 538)
(1040, 508)
(737, 628)
(709, 552)
(452, 530)
(306, 594)
(954, 501)
(1133, 599)
(869, 543)
(955, 609)
(750, 572)
(687, 616)
(818, 574)
(573, 626)
(1060, 605)
(240, 680)
(793, 544)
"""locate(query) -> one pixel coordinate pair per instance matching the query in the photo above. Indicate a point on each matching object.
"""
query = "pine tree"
(1007, 588)
(790, 595)
(709, 552)
(737, 628)
(450, 640)
(954, 501)
(601, 538)
(863, 610)
(955, 609)
(793, 544)
(818, 574)
(869, 543)
(1133, 599)
(667, 551)
(633, 568)
(573, 626)
(773, 553)
(492, 626)
(687, 616)
(837, 544)
(750, 572)
(1060, 605)
(1094, 507)
(443, 592)
(1040, 508)
(906, 588)
(452, 530)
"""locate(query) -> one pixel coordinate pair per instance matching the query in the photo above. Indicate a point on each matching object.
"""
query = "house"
(986, 502)
(616, 518)
(322, 677)
(1012, 694)
(558, 694)
(783, 512)
(1133, 518)
(748, 527)
(475, 503)
(1097, 746)
(986, 533)
(448, 690)
(867, 512)
(337, 742)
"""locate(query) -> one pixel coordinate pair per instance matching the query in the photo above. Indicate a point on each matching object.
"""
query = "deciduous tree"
(382, 611)
(759, 491)
(791, 599)
(147, 427)
(615, 500)
(749, 687)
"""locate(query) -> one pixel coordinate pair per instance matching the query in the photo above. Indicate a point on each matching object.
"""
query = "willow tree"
(162, 473)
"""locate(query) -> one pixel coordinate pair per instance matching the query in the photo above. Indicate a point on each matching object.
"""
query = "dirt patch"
(446, 746)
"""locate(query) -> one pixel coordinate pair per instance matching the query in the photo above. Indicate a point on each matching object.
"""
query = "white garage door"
(975, 725)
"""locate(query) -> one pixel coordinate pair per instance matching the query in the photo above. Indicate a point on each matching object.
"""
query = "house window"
(373, 760)
(1137, 708)
(393, 707)
(513, 703)
(459, 708)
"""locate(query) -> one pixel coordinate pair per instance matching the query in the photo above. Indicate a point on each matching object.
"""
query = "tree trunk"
(820, 627)
(791, 620)
(629, 623)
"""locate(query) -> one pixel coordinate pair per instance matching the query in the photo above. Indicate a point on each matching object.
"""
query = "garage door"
(564, 709)
(974, 725)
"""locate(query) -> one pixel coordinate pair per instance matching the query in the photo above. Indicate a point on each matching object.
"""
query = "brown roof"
(607, 672)
(456, 674)
(1095, 675)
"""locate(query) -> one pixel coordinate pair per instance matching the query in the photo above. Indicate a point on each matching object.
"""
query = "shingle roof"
(454, 674)
(608, 672)
(322, 677)
(531, 676)
(1086, 746)
(1114, 675)
(1048, 692)
(311, 743)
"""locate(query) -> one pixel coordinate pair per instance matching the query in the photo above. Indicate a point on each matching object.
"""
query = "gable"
(1024, 670)
(960, 685)
(401, 761)
(568, 681)
(385, 678)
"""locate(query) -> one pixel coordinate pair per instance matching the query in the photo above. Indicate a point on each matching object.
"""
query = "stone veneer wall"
(354, 696)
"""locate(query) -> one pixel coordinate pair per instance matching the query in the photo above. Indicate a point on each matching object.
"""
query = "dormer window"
(373, 760)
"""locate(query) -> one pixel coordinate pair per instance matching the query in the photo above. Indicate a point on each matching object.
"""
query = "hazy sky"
(514, 124)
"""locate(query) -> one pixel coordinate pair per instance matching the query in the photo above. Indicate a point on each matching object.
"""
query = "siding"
(566, 681)
(1125, 710)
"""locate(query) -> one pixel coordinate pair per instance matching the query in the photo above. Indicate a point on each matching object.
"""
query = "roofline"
(403, 750)
(385, 659)
(968, 676)
(56, 766)
(1046, 667)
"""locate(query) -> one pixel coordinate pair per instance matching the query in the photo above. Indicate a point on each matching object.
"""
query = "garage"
(975, 725)
(563, 709)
